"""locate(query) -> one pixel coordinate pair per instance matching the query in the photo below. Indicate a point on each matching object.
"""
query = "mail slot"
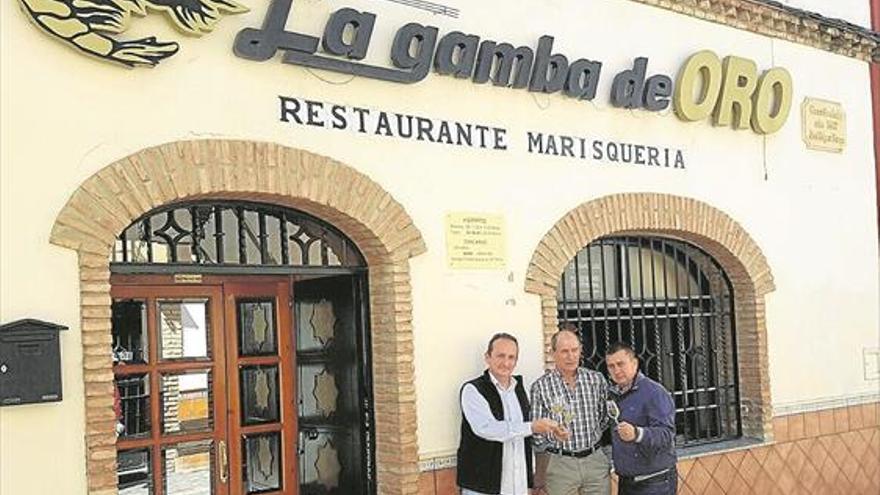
(30, 362)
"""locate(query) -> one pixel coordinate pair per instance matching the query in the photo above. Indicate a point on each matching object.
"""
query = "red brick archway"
(112, 198)
(690, 220)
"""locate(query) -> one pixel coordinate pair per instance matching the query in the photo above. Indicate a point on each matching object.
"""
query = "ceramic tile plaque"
(824, 125)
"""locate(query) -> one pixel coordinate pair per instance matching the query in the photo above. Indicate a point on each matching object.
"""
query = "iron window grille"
(673, 304)
(233, 233)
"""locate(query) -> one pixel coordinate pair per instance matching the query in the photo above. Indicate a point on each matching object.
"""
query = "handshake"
(545, 426)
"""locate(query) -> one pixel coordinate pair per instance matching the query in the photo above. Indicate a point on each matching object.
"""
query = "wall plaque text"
(475, 241)
(823, 125)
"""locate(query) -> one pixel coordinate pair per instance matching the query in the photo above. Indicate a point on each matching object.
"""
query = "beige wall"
(65, 116)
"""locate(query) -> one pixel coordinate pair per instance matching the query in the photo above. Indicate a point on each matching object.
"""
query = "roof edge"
(780, 21)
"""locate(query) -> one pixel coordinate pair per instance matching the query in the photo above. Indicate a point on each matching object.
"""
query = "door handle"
(224, 461)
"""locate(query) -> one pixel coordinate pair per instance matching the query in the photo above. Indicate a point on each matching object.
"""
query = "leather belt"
(643, 477)
(571, 453)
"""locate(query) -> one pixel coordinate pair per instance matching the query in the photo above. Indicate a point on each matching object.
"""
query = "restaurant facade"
(257, 246)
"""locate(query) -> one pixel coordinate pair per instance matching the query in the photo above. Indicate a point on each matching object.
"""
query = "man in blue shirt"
(643, 444)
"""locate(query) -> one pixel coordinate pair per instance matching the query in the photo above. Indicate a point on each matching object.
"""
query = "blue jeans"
(662, 484)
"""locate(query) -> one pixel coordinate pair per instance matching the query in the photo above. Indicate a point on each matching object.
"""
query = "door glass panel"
(133, 473)
(133, 413)
(262, 462)
(188, 468)
(187, 402)
(256, 328)
(183, 328)
(129, 329)
(273, 241)
(316, 325)
(259, 394)
(326, 454)
(250, 226)
(320, 392)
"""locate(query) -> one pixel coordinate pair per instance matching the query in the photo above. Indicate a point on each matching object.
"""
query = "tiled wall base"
(440, 482)
(834, 451)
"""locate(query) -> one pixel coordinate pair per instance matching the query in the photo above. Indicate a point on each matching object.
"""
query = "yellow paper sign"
(475, 241)
(824, 125)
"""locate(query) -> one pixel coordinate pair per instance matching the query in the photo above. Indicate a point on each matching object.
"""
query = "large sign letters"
(730, 90)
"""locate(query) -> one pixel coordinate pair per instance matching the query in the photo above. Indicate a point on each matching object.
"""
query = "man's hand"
(544, 426)
(538, 491)
(626, 431)
(561, 433)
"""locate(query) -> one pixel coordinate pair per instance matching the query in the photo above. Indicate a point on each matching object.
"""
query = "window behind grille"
(674, 305)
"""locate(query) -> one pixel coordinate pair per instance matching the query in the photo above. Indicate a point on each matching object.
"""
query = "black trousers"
(662, 484)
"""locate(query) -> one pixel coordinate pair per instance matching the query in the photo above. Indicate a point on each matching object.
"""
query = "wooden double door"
(206, 386)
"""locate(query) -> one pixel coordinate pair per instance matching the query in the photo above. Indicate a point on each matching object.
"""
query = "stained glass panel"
(256, 328)
(261, 470)
(259, 394)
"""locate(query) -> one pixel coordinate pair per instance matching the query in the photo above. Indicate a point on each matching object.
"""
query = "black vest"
(479, 460)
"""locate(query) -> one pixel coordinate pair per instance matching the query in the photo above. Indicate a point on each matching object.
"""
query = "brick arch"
(116, 195)
(687, 219)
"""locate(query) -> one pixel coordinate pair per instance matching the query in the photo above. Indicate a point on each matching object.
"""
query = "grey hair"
(566, 327)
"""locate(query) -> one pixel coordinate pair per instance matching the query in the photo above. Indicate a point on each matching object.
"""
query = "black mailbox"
(30, 362)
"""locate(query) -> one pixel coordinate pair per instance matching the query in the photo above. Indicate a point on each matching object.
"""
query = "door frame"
(222, 292)
(154, 367)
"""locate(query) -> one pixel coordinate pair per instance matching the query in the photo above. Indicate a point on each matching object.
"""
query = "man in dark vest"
(494, 455)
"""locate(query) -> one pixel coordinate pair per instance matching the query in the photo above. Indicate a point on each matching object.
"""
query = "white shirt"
(511, 432)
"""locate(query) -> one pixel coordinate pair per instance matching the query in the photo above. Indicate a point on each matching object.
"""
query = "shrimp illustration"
(85, 24)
